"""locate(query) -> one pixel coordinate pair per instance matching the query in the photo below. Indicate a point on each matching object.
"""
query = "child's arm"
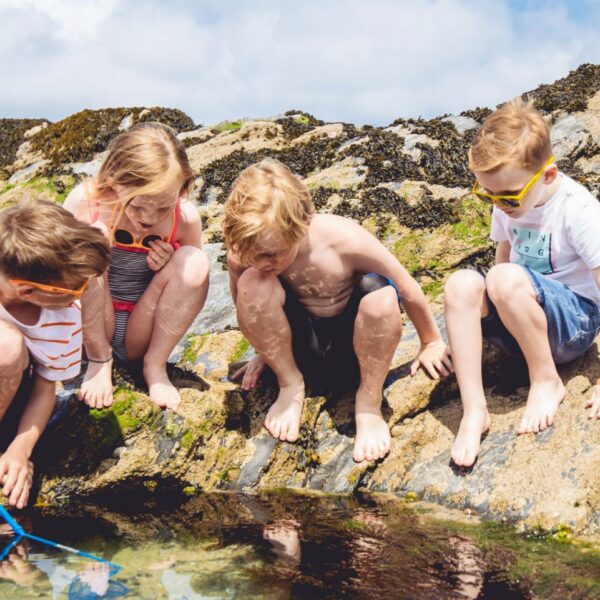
(234, 270)
(503, 252)
(368, 255)
(96, 389)
(594, 402)
(252, 370)
(14, 463)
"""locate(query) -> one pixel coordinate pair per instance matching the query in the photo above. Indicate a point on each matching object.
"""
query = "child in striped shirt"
(48, 259)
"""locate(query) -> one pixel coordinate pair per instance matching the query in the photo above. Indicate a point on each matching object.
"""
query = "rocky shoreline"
(409, 184)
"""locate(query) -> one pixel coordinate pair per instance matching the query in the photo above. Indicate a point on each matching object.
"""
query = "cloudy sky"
(362, 61)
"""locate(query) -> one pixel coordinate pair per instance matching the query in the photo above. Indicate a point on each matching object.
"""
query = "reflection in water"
(276, 547)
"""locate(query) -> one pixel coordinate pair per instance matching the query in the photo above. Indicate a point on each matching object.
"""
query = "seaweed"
(79, 137)
(571, 93)
(12, 135)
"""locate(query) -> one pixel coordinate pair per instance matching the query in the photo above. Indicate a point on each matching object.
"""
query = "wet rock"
(409, 185)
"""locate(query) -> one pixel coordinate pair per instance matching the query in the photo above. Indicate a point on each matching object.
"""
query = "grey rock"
(569, 136)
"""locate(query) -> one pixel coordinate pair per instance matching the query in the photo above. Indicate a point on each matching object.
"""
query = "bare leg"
(260, 301)
(14, 359)
(466, 303)
(97, 389)
(162, 316)
(512, 292)
(377, 331)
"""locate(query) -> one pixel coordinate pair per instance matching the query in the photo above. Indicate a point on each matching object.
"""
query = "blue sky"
(353, 60)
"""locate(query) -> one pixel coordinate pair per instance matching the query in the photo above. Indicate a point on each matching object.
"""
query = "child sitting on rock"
(47, 260)
(158, 277)
(318, 298)
(541, 299)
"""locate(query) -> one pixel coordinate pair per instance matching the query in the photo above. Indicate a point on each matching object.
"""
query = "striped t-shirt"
(54, 341)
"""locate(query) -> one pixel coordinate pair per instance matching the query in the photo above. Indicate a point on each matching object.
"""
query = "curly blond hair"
(267, 196)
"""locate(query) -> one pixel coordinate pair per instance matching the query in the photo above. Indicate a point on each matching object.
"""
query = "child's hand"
(251, 372)
(159, 255)
(594, 403)
(434, 357)
(16, 475)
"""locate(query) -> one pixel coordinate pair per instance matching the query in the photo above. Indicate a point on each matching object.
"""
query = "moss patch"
(241, 349)
(57, 188)
(229, 126)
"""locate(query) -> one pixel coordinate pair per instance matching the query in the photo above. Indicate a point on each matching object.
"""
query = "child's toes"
(359, 453)
(283, 432)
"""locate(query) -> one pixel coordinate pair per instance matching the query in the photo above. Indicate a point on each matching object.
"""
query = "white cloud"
(339, 59)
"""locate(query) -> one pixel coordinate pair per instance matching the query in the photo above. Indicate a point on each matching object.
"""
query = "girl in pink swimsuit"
(158, 277)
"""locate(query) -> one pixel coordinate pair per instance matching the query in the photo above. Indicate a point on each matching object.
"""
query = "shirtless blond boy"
(541, 300)
(317, 296)
(48, 260)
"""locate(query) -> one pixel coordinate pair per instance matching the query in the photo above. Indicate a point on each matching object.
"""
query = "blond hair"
(515, 135)
(266, 196)
(42, 242)
(146, 159)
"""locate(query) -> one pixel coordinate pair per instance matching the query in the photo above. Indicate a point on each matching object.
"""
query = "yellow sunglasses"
(510, 201)
(53, 289)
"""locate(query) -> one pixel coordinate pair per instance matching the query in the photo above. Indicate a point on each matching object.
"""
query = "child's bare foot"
(466, 445)
(372, 435)
(594, 403)
(97, 389)
(542, 404)
(162, 392)
(283, 419)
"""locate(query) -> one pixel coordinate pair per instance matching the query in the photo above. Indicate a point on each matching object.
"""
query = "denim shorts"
(573, 321)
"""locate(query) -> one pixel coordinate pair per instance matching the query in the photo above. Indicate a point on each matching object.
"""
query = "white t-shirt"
(54, 341)
(560, 239)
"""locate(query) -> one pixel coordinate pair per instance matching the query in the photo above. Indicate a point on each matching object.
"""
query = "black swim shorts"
(322, 346)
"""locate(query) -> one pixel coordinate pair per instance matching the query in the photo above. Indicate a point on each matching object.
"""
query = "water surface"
(281, 546)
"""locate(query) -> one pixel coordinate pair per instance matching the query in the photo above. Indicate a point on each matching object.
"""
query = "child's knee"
(195, 266)
(464, 287)
(14, 357)
(259, 287)
(380, 305)
(507, 282)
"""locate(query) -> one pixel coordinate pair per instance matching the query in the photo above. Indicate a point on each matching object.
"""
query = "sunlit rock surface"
(407, 183)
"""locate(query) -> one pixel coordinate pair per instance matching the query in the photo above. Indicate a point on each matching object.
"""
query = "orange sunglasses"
(53, 289)
(125, 238)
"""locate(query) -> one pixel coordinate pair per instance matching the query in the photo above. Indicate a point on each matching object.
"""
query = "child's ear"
(550, 174)
(24, 290)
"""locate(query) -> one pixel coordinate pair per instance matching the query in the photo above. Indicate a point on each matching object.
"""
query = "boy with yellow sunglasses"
(47, 260)
(541, 299)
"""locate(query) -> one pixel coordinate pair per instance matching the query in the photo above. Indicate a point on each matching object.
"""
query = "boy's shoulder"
(575, 191)
(341, 234)
(325, 223)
